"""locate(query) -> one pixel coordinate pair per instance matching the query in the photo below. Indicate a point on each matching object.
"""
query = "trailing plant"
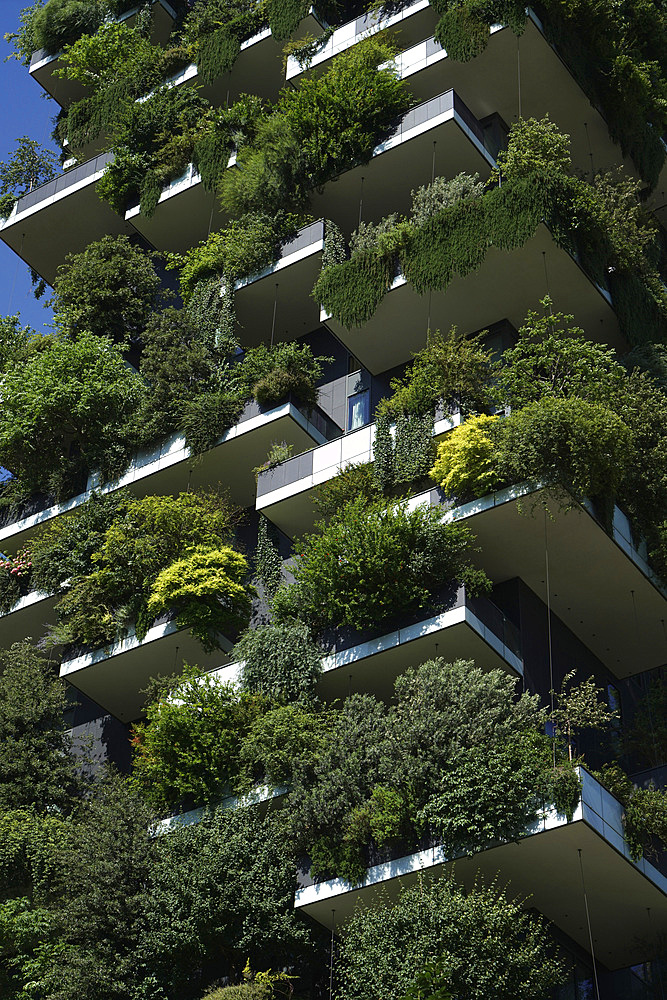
(432, 936)
(372, 562)
(466, 463)
(314, 132)
(206, 589)
(406, 456)
(430, 199)
(280, 661)
(537, 187)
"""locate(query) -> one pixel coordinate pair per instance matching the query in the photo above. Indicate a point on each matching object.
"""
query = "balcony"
(467, 628)
(285, 494)
(66, 92)
(488, 83)
(171, 468)
(60, 217)
(508, 283)
(285, 287)
(412, 24)
(261, 796)
(600, 585)
(543, 867)
(28, 617)
(185, 214)
(442, 126)
(115, 675)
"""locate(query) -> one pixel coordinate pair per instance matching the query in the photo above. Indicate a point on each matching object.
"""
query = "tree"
(37, 767)
(110, 289)
(554, 358)
(466, 463)
(27, 167)
(478, 944)
(66, 410)
(578, 707)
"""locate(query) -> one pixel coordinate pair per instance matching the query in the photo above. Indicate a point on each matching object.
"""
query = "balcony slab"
(626, 899)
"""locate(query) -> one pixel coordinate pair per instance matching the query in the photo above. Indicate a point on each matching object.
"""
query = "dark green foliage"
(553, 358)
(187, 749)
(37, 769)
(150, 536)
(268, 562)
(348, 484)
(110, 289)
(371, 563)
(206, 418)
(317, 130)
(600, 221)
(61, 22)
(413, 447)
(453, 370)
(646, 735)
(182, 370)
(584, 447)
(217, 28)
(645, 815)
(478, 944)
(488, 770)
(284, 16)
(67, 410)
(280, 661)
(64, 549)
(272, 373)
(199, 914)
(278, 742)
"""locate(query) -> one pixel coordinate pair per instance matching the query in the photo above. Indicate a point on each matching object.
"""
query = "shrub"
(280, 661)
(271, 373)
(15, 574)
(276, 743)
(206, 590)
(370, 563)
(466, 464)
(583, 447)
(350, 483)
(442, 192)
(63, 21)
(387, 947)
(186, 751)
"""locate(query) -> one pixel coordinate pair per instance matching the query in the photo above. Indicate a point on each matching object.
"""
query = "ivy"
(268, 563)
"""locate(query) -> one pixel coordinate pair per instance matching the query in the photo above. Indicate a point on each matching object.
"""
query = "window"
(358, 410)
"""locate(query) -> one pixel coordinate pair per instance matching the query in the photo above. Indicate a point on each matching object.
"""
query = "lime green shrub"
(206, 589)
(466, 464)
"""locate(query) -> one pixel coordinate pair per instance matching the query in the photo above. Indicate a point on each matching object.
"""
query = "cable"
(588, 922)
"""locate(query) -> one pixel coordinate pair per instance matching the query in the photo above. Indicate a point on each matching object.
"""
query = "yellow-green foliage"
(206, 588)
(465, 465)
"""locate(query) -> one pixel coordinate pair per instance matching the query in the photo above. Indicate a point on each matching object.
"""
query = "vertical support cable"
(550, 646)
(518, 73)
(16, 270)
(361, 201)
(590, 150)
(433, 163)
(275, 306)
(331, 957)
(588, 922)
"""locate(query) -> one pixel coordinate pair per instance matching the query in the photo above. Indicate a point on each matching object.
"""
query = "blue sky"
(23, 111)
